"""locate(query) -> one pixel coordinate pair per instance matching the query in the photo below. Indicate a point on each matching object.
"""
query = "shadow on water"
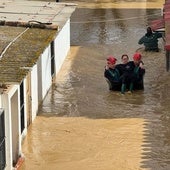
(82, 91)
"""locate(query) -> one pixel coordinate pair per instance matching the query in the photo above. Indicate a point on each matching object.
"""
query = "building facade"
(27, 69)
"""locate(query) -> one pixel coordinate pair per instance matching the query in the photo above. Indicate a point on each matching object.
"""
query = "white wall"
(8, 133)
(44, 74)
(39, 75)
(6, 105)
(0, 100)
(34, 91)
(15, 114)
(62, 46)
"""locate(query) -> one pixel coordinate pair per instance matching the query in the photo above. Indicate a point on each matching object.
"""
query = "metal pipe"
(167, 60)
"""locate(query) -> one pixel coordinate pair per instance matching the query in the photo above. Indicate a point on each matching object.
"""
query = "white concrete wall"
(15, 114)
(62, 46)
(44, 74)
(0, 100)
(34, 91)
(7, 106)
(39, 74)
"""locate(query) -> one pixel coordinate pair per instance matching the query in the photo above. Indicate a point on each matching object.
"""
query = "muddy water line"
(81, 124)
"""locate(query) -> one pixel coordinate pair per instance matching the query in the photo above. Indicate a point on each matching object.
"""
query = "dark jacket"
(139, 73)
(150, 41)
(130, 72)
(126, 72)
(112, 75)
(126, 68)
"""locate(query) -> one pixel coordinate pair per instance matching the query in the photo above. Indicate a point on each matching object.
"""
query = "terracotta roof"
(25, 45)
(157, 24)
(164, 22)
(167, 24)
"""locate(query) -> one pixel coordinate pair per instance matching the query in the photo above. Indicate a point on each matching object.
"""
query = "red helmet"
(137, 56)
(111, 59)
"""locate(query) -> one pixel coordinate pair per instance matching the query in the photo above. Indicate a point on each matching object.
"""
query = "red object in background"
(157, 24)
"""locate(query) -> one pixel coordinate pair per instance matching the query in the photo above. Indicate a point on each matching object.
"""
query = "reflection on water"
(83, 86)
(136, 127)
(106, 26)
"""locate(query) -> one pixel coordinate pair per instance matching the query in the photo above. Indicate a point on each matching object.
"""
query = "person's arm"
(141, 65)
(141, 41)
(141, 72)
(112, 75)
(108, 74)
(141, 69)
(158, 34)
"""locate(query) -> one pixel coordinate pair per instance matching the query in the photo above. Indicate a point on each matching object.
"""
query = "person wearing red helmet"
(139, 70)
(137, 59)
(112, 74)
(130, 72)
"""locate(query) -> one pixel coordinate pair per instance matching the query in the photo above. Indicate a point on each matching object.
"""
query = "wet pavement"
(81, 124)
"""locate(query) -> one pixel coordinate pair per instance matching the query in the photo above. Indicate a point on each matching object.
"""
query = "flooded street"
(81, 124)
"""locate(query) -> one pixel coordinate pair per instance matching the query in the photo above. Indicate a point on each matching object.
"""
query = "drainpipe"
(167, 60)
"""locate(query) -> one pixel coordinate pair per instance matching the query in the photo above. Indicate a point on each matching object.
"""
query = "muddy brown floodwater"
(81, 124)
